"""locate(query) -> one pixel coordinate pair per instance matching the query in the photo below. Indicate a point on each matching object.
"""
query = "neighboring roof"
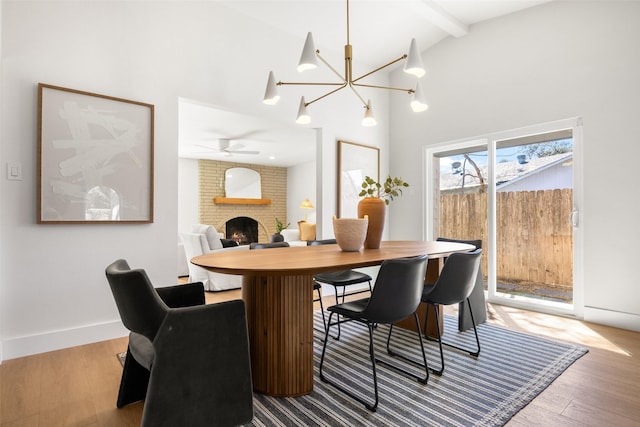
(506, 172)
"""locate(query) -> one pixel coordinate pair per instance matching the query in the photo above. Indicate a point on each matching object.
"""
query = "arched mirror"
(242, 183)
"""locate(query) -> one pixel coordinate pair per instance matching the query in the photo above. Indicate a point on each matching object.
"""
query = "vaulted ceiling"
(380, 30)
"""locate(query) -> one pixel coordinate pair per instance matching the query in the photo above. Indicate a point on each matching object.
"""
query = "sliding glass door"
(517, 192)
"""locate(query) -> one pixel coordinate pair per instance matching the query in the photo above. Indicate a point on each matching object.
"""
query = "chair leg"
(324, 321)
(426, 320)
(368, 405)
(475, 330)
(422, 364)
(474, 353)
(338, 322)
(335, 288)
(344, 290)
(134, 382)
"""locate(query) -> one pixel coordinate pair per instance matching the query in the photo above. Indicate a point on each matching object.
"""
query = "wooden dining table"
(277, 289)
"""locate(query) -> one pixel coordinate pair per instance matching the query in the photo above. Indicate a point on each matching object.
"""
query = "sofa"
(204, 239)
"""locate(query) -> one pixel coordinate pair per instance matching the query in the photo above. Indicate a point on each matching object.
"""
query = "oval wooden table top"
(313, 259)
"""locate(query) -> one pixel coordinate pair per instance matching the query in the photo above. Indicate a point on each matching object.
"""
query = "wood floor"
(78, 386)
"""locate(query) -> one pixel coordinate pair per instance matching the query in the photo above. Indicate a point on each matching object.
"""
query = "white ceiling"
(202, 126)
(380, 30)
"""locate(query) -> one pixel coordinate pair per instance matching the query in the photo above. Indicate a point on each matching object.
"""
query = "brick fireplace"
(274, 187)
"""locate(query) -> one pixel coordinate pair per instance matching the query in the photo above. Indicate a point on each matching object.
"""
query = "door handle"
(574, 217)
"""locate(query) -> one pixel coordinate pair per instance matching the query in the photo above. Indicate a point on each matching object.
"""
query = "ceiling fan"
(225, 147)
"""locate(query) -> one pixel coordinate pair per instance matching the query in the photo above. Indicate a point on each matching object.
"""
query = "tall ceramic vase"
(375, 209)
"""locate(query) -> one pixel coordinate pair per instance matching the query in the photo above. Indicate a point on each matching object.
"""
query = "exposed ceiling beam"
(442, 19)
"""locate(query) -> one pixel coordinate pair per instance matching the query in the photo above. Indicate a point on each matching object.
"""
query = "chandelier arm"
(380, 68)
(309, 84)
(409, 91)
(326, 94)
(358, 95)
(324, 61)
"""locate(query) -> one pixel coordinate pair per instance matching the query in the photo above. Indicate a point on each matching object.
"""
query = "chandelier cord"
(348, 41)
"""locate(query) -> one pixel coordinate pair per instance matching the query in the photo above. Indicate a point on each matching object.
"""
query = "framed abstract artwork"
(355, 161)
(95, 158)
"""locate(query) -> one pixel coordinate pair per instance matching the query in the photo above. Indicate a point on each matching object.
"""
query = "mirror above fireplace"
(242, 183)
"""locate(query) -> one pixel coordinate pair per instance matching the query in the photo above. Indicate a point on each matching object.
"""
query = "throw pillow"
(228, 243)
(213, 237)
(307, 231)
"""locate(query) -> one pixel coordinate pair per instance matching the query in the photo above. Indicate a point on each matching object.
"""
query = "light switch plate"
(14, 171)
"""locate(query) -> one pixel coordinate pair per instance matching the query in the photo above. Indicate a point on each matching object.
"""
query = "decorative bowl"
(350, 232)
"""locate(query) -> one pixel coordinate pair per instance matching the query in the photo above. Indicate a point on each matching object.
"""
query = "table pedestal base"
(280, 324)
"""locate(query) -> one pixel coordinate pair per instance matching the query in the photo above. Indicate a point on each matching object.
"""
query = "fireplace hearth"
(242, 229)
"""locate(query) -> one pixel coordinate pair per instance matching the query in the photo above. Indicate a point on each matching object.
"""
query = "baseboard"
(56, 340)
(612, 318)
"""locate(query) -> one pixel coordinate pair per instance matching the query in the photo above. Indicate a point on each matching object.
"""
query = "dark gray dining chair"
(454, 285)
(477, 298)
(256, 245)
(340, 280)
(396, 296)
(188, 361)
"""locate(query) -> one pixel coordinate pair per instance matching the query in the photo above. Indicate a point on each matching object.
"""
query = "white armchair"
(196, 244)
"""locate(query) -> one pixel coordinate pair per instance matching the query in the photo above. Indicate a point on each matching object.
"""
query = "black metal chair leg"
(475, 331)
(372, 355)
(369, 406)
(473, 353)
(338, 302)
(426, 320)
(424, 364)
(476, 352)
(324, 321)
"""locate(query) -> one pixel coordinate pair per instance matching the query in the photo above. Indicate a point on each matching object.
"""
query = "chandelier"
(309, 60)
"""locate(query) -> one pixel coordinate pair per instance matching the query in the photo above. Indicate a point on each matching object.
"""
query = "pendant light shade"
(303, 115)
(414, 61)
(271, 96)
(419, 101)
(308, 60)
(368, 119)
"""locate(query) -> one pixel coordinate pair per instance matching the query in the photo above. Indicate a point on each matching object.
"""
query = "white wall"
(555, 61)
(301, 184)
(188, 194)
(53, 292)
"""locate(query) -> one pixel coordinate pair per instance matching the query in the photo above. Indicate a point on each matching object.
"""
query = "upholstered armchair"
(188, 361)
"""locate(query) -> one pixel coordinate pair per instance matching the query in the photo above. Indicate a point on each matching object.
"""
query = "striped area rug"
(511, 370)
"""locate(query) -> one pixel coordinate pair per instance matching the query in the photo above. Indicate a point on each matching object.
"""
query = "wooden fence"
(534, 234)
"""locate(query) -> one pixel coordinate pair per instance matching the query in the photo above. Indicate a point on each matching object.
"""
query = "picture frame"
(95, 158)
(355, 162)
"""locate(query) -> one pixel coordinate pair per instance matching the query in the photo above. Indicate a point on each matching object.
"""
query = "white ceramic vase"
(350, 232)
